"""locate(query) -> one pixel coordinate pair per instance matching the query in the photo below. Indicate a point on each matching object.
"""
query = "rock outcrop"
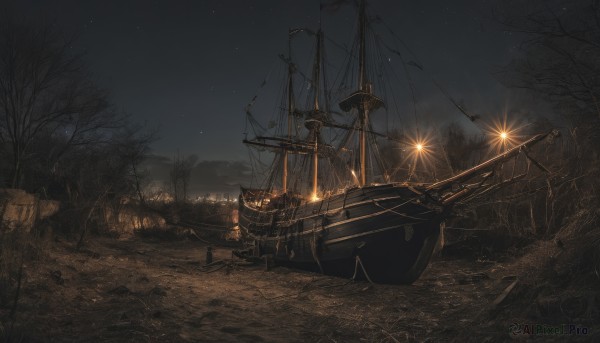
(21, 210)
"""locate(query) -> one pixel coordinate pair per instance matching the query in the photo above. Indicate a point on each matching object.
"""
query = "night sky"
(190, 67)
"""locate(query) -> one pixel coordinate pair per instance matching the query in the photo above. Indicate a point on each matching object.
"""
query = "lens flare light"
(503, 134)
(420, 155)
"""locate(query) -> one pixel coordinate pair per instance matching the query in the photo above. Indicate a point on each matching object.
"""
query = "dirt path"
(144, 290)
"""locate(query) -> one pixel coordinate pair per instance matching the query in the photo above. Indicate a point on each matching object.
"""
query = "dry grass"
(17, 249)
(559, 278)
(152, 287)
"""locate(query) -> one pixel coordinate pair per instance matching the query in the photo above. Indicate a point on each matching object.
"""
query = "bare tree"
(58, 130)
(181, 175)
(102, 175)
(460, 147)
(558, 62)
(45, 93)
(134, 145)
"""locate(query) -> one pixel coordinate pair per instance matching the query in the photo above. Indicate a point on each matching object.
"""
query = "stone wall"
(127, 219)
(19, 209)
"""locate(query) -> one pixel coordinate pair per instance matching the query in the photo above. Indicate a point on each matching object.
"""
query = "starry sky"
(190, 67)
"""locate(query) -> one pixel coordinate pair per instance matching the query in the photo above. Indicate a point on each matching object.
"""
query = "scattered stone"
(211, 315)
(269, 260)
(157, 290)
(215, 302)
(574, 307)
(231, 329)
(120, 290)
(559, 243)
(472, 278)
(548, 306)
(249, 338)
(209, 255)
(57, 277)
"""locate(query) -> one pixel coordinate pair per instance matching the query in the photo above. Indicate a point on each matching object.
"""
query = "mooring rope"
(359, 262)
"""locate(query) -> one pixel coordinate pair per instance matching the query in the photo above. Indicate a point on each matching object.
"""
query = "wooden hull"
(392, 228)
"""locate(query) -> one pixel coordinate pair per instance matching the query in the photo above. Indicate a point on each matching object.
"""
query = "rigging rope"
(415, 63)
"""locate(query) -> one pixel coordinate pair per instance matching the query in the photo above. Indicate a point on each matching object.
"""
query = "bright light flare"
(420, 154)
(314, 198)
(503, 135)
(502, 138)
(420, 147)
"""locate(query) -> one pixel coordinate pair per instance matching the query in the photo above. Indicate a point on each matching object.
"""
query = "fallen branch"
(505, 293)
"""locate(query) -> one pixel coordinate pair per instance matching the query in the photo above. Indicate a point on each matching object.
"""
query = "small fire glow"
(314, 198)
(355, 177)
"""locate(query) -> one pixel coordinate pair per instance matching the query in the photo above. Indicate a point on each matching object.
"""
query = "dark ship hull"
(392, 228)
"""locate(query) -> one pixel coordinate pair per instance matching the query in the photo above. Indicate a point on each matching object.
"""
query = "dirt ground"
(148, 290)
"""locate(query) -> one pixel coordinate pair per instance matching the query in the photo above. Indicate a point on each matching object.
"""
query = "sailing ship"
(387, 227)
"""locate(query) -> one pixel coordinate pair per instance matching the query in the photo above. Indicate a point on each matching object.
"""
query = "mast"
(290, 110)
(315, 119)
(362, 79)
(363, 111)
(363, 99)
(317, 126)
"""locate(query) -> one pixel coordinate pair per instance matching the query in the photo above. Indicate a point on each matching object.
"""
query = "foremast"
(291, 108)
(315, 119)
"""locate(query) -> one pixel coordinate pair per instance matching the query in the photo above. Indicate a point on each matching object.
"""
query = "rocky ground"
(149, 290)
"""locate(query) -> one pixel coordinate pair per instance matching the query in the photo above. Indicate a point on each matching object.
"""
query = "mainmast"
(362, 23)
(363, 111)
(363, 99)
(315, 120)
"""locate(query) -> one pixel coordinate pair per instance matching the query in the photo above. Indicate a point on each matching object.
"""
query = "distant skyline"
(190, 67)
